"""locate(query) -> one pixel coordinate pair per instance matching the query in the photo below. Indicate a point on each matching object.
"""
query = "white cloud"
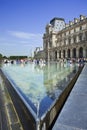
(16, 42)
(25, 35)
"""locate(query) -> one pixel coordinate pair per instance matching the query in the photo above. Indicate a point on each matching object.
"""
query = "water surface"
(40, 85)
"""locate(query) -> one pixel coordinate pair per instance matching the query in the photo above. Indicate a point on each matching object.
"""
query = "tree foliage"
(17, 57)
(1, 56)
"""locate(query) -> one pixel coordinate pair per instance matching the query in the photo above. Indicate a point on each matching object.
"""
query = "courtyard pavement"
(8, 117)
(73, 116)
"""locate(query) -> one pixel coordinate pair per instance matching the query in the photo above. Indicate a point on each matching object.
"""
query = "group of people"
(80, 61)
(39, 61)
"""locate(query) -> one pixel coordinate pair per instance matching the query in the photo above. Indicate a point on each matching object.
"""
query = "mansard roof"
(56, 18)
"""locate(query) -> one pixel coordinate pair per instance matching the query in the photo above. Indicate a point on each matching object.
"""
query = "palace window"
(80, 27)
(65, 42)
(74, 39)
(69, 41)
(86, 35)
(74, 30)
(80, 37)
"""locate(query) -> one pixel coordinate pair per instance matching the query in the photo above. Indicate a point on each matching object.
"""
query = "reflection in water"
(40, 85)
(55, 75)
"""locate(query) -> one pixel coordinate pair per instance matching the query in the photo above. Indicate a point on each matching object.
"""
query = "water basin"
(39, 85)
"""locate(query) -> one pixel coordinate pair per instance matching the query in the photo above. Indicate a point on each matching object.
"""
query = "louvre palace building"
(62, 40)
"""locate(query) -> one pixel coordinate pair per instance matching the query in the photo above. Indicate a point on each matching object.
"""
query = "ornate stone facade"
(67, 41)
(39, 53)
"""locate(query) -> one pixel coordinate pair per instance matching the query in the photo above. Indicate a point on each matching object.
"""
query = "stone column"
(48, 56)
(58, 55)
(66, 55)
(77, 53)
(84, 52)
(77, 38)
(61, 53)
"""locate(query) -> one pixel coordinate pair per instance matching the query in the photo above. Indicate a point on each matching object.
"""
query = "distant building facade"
(39, 53)
(63, 40)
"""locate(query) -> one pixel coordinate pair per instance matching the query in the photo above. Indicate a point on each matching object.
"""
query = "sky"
(23, 22)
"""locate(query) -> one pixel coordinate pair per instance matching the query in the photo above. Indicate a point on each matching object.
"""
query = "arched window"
(80, 52)
(86, 35)
(86, 52)
(74, 39)
(80, 37)
(69, 40)
(60, 54)
(74, 52)
(68, 53)
(64, 54)
(55, 55)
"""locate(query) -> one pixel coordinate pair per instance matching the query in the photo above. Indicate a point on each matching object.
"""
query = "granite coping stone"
(74, 113)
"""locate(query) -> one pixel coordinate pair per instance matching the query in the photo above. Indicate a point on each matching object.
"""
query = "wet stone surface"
(74, 113)
(8, 116)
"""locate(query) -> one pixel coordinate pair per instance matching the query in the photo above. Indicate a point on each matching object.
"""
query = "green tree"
(1, 56)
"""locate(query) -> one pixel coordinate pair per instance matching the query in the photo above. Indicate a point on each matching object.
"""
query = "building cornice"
(70, 27)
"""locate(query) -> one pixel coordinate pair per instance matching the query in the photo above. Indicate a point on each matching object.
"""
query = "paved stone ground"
(74, 113)
(8, 117)
(13, 113)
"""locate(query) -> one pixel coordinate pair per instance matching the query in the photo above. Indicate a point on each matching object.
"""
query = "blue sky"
(22, 22)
